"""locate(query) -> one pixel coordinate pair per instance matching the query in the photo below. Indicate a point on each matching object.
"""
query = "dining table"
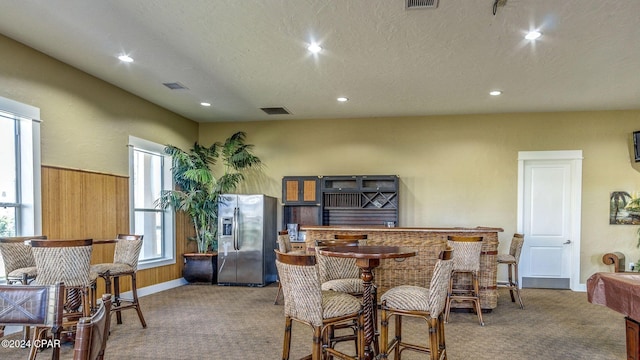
(367, 259)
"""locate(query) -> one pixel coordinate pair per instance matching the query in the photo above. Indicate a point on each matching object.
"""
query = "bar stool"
(466, 259)
(511, 260)
(19, 264)
(65, 261)
(125, 263)
(424, 303)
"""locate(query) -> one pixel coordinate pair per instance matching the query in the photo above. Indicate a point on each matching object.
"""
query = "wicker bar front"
(418, 270)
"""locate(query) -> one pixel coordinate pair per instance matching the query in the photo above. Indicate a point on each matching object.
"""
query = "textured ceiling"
(389, 61)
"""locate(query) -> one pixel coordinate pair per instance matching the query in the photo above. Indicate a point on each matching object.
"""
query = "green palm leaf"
(197, 189)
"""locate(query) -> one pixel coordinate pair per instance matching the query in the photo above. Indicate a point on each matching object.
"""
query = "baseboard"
(147, 290)
(545, 283)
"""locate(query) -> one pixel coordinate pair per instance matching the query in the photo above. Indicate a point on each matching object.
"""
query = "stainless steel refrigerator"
(246, 239)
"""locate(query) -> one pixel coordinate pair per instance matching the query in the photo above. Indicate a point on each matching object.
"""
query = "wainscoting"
(83, 204)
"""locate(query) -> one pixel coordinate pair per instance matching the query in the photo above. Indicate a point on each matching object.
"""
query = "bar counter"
(428, 242)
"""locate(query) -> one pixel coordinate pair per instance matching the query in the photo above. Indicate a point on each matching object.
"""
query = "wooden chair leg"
(476, 289)
(398, 338)
(361, 335)
(86, 301)
(511, 282)
(447, 307)
(384, 333)
(441, 340)
(26, 333)
(38, 334)
(107, 284)
(374, 296)
(116, 297)
(515, 270)
(134, 290)
(275, 302)
(286, 346)
(316, 351)
(434, 344)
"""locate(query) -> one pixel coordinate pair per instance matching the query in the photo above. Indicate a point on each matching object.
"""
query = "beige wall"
(458, 170)
(454, 170)
(86, 122)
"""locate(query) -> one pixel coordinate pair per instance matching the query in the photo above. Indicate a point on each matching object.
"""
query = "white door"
(549, 187)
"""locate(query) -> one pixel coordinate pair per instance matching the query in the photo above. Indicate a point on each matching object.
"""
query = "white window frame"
(29, 198)
(168, 234)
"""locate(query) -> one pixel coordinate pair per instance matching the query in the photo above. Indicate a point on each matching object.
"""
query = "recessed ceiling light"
(314, 48)
(495, 92)
(125, 58)
(342, 99)
(205, 104)
(532, 35)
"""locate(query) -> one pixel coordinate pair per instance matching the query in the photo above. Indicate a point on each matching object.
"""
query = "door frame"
(575, 158)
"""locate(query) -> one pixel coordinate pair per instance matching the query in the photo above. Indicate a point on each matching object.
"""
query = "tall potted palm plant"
(197, 191)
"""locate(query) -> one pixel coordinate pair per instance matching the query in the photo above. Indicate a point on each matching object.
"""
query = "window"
(149, 174)
(8, 175)
(19, 171)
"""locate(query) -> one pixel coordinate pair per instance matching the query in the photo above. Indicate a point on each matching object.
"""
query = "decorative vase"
(201, 268)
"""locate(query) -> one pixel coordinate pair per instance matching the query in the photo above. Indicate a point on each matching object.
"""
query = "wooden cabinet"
(300, 190)
(340, 200)
(301, 200)
(340, 183)
(359, 200)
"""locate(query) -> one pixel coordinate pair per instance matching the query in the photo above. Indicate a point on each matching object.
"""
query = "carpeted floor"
(212, 322)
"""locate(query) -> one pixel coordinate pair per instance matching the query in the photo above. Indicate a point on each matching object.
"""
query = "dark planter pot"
(201, 268)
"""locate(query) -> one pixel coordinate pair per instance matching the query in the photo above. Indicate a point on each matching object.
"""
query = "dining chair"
(66, 261)
(426, 303)
(511, 260)
(34, 305)
(19, 264)
(284, 246)
(340, 274)
(306, 303)
(92, 332)
(466, 261)
(125, 263)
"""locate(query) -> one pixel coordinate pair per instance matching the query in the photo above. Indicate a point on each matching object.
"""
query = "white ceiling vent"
(421, 4)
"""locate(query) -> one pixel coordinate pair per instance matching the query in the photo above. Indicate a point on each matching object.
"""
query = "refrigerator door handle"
(235, 228)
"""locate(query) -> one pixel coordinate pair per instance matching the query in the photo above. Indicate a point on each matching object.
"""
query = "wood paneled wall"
(82, 204)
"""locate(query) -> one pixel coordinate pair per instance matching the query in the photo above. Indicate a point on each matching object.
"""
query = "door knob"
(567, 242)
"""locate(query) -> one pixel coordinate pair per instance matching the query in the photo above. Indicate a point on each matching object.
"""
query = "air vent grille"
(175, 86)
(275, 111)
(421, 4)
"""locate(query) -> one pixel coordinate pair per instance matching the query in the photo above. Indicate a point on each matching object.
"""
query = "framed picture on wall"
(624, 208)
